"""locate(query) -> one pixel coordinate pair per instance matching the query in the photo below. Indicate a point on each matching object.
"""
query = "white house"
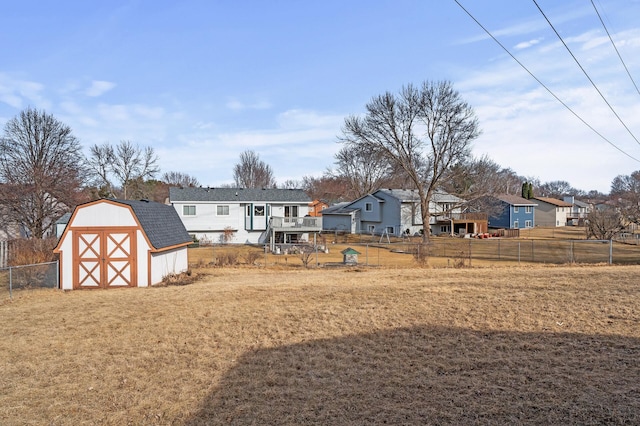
(579, 211)
(121, 243)
(397, 211)
(245, 215)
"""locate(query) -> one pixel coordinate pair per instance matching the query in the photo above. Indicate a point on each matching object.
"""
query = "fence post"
(533, 258)
(571, 260)
(58, 274)
(610, 251)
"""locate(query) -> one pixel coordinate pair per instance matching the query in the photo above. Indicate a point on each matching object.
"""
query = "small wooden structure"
(121, 243)
(350, 256)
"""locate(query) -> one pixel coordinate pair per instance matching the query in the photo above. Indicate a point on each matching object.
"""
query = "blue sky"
(201, 81)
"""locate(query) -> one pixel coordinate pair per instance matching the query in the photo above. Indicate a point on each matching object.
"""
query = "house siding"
(209, 227)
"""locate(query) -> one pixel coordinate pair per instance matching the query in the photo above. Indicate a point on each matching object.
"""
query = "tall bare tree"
(179, 179)
(423, 130)
(126, 163)
(40, 170)
(252, 172)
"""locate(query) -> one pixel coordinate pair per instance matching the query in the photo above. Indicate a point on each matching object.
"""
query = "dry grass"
(536, 345)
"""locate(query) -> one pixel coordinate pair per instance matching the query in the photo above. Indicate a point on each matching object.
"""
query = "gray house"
(396, 212)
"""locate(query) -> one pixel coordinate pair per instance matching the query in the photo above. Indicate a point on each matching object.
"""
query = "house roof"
(237, 195)
(160, 222)
(554, 201)
(64, 219)
(340, 208)
(580, 204)
(411, 195)
(515, 200)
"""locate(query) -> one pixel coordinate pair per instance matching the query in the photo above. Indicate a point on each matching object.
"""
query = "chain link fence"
(17, 278)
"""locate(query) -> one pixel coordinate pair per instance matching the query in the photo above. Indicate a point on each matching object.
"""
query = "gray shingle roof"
(160, 222)
(237, 195)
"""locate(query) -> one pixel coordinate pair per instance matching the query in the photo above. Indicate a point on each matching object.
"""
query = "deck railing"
(307, 222)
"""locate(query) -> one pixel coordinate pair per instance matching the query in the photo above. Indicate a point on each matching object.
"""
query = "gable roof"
(515, 200)
(237, 195)
(160, 222)
(554, 201)
(411, 196)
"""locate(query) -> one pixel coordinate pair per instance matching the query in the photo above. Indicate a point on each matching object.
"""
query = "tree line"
(419, 138)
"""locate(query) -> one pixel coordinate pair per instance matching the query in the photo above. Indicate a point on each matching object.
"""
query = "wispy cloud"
(19, 93)
(527, 44)
(237, 105)
(99, 87)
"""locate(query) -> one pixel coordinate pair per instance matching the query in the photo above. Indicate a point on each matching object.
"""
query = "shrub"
(31, 251)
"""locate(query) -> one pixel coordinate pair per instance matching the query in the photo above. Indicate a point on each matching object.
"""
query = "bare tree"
(40, 170)
(251, 172)
(126, 163)
(476, 177)
(425, 131)
(365, 169)
(290, 184)
(555, 189)
(625, 195)
(329, 188)
(604, 223)
(179, 179)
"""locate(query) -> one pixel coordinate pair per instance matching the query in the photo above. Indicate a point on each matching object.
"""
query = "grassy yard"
(287, 345)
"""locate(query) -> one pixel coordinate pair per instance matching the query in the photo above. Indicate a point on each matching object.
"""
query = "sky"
(201, 81)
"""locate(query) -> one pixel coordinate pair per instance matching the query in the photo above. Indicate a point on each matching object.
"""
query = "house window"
(368, 207)
(258, 210)
(188, 210)
(390, 230)
(527, 224)
(444, 228)
(516, 225)
(371, 229)
(222, 210)
(516, 209)
(528, 209)
(290, 211)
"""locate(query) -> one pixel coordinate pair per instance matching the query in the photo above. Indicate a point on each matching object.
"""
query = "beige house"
(552, 212)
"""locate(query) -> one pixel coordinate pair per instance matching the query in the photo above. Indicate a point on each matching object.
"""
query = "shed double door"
(104, 258)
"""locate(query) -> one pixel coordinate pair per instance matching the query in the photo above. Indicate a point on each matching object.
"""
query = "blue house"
(396, 212)
(516, 213)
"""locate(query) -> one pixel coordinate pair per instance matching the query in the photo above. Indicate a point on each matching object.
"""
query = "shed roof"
(237, 195)
(160, 222)
(349, 250)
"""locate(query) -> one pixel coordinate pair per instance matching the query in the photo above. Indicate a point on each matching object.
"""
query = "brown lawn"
(405, 345)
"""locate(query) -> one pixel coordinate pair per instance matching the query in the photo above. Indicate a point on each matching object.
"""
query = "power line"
(543, 85)
(614, 46)
(586, 74)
